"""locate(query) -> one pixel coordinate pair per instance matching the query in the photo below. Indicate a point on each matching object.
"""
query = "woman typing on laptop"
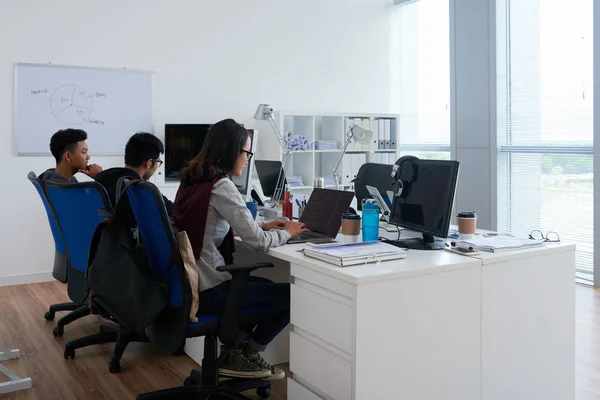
(208, 207)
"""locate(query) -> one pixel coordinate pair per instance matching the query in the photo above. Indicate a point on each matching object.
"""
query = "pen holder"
(300, 211)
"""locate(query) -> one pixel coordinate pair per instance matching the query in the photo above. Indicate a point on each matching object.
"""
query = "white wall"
(212, 60)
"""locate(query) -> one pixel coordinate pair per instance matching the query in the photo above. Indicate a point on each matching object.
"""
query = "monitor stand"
(427, 242)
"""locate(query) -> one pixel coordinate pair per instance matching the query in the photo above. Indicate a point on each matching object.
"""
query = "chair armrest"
(232, 268)
(235, 298)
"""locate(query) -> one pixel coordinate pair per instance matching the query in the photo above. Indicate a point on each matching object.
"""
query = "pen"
(298, 203)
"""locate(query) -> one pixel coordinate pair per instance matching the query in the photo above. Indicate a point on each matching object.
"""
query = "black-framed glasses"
(548, 237)
(158, 161)
(249, 154)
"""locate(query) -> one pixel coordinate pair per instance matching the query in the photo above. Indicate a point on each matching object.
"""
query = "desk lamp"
(360, 135)
(265, 112)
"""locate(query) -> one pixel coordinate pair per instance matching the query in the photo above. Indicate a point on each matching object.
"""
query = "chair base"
(193, 389)
(54, 308)
(109, 333)
(81, 312)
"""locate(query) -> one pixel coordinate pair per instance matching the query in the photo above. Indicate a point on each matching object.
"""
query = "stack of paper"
(498, 243)
(344, 255)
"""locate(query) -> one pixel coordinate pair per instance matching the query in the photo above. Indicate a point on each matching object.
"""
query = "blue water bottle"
(370, 221)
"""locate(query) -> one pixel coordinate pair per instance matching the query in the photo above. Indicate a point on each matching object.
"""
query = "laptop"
(323, 215)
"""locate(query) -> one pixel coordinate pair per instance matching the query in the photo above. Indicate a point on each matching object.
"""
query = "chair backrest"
(376, 175)
(79, 208)
(159, 241)
(59, 241)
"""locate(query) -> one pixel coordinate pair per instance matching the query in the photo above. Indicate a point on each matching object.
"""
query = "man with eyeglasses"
(142, 159)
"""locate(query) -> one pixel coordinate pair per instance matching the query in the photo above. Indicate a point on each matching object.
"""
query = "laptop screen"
(324, 210)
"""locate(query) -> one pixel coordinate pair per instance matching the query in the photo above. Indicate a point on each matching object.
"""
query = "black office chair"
(173, 325)
(376, 175)
(62, 266)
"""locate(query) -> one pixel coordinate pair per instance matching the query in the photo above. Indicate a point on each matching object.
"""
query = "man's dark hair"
(142, 147)
(66, 140)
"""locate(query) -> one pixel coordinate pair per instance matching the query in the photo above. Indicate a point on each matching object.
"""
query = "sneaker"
(233, 363)
(256, 359)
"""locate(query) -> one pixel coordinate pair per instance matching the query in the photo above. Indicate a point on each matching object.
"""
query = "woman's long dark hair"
(220, 152)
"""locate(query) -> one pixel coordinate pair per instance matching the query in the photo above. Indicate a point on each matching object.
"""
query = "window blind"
(545, 122)
(423, 68)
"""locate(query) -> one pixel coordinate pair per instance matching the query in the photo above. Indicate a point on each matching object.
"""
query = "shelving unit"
(311, 163)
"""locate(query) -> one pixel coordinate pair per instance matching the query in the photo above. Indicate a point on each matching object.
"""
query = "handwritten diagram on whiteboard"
(110, 105)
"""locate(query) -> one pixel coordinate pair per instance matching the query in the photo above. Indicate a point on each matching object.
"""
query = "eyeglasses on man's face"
(249, 154)
(158, 161)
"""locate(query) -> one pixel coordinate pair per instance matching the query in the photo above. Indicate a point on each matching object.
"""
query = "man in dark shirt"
(70, 150)
(142, 159)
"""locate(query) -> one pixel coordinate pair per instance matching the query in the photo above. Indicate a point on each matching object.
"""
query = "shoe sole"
(241, 374)
(274, 377)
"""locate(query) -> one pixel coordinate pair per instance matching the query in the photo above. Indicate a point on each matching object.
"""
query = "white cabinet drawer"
(296, 391)
(327, 372)
(328, 319)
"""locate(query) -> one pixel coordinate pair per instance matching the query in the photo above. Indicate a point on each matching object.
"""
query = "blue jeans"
(259, 293)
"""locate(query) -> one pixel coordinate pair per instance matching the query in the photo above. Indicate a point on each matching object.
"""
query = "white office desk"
(435, 326)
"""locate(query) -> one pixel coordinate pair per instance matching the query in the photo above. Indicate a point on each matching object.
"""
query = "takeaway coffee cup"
(351, 227)
(467, 223)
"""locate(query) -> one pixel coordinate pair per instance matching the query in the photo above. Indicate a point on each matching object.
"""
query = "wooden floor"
(144, 368)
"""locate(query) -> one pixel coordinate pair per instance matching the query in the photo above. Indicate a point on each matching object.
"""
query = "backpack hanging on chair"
(119, 277)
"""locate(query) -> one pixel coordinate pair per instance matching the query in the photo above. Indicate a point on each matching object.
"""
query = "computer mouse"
(286, 219)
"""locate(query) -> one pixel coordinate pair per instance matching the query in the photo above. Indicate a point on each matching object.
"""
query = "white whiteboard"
(109, 104)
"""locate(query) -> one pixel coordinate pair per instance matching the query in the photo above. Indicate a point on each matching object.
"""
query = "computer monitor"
(182, 143)
(244, 182)
(268, 173)
(425, 202)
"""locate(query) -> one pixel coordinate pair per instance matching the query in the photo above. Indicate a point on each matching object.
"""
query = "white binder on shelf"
(357, 161)
(381, 134)
(375, 139)
(346, 170)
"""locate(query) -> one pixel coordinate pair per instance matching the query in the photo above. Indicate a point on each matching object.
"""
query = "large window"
(545, 121)
(421, 77)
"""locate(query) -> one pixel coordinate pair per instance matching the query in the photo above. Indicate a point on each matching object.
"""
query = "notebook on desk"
(323, 215)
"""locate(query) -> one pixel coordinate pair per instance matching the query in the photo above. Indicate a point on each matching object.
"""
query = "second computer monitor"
(268, 172)
(425, 202)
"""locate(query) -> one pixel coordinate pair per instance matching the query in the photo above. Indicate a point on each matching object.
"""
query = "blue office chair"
(79, 208)
(60, 271)
(172, 326)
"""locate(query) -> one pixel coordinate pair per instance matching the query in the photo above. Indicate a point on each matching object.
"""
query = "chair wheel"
(49, 316)
(58, 330)
(114, 366)
(189, 381)
(69, 353)
(264, 392)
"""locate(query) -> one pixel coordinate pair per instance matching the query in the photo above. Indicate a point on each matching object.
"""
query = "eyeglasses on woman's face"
(249, 154)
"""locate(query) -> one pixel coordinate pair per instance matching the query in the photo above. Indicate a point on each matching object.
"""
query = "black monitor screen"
(268, 174)
(182, 143)
(427, 197)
